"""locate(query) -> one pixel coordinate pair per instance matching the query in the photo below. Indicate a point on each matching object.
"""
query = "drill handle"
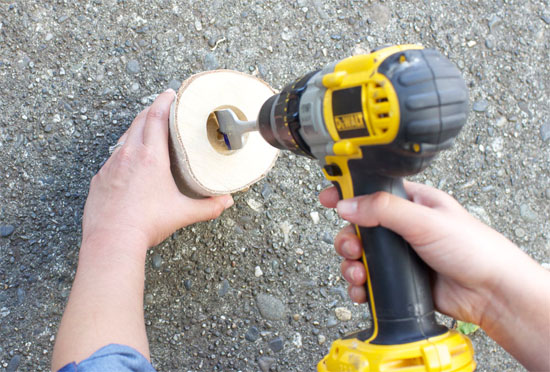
(398, 286)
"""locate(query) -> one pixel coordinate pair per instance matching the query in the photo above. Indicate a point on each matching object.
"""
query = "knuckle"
(379, 201)
(125, 155)
(216, 210)
(155, 113)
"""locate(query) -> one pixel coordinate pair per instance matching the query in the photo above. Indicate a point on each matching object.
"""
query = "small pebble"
(327, 238)
(297, 340)
(480, 106)
(276, 344)
(6, 230)
(270, 307)
(157, 261)
(258, 271)
(198, 25)
(14, 363)
(342, 314)
(331, 322)
(224, 288)
(252, 334)
(545, 131)
(265, 363)
(133, 67)
(188, 283)
(527, 213)
(174, 84)
(520, 232)
(471, 43)
(321, 339)
(210, 62)
(266, 191)
(315, 217)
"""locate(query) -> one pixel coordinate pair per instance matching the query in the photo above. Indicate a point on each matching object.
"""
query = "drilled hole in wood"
(213, 131)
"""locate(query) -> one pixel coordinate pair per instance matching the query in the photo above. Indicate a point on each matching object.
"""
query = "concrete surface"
(74, 74)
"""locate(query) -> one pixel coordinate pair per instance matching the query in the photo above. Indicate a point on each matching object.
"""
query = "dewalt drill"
(371, 120)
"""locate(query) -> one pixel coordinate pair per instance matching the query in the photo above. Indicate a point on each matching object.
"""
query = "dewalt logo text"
(351, 121)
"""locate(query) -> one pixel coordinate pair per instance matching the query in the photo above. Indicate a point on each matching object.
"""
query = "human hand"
(463, 252)
(134, 194)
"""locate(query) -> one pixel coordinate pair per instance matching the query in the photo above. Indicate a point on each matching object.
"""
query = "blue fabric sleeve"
(112, 358)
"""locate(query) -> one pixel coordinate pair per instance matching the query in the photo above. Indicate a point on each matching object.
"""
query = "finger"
(155, 132)
(357, 293)
(329, 197)
(402, 216)
(135, 132)
(428, 196)
(347, 244)
(354, 272)
(203, 209)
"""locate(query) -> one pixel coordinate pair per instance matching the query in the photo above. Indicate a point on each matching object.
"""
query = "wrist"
(110, 245)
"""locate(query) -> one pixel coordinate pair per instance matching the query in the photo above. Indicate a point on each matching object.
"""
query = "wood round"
(201, 163)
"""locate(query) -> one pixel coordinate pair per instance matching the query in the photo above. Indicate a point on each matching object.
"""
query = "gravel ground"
(258, 289)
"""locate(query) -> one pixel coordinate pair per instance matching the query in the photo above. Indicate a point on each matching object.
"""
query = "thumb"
(408, 219)
(197, 210)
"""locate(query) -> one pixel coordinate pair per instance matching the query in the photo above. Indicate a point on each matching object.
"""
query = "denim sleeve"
(112, 358)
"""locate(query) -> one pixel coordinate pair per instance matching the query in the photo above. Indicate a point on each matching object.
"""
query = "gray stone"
(520, 232)
(527, 213)
(480, 106)
(545, 18)
(494, 21)
(210, 62)
(20, 295)
(276, 344)
(270, 307)
(266, 191)
(545, 131)
(14, 363)
(133, 67)
(157, 261)
(252, 334)
(327, 238)
(188, 284)
(6, 230)
(174, 84)
(265, 363)
(340, 291)
(331, 321)
(224, 288)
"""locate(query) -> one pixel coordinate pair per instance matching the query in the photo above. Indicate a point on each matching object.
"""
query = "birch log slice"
(201, 163)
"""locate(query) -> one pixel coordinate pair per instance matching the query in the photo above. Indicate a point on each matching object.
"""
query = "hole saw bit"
(371, 120)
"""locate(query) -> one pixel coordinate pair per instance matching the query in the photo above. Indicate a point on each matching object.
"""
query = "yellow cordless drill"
(371, 120)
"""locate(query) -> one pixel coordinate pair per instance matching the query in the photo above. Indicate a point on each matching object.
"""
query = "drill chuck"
(279, 118)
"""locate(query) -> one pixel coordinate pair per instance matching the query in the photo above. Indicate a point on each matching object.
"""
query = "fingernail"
(346, 248)
(229, 202)
(352, 272)
(170, 90)
(346, 207)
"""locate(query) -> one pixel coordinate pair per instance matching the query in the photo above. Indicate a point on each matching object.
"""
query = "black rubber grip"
(401, 294)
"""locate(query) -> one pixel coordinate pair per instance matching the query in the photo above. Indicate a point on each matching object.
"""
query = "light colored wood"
(201, 164)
